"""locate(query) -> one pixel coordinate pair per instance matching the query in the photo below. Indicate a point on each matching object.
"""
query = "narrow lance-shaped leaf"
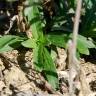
(57, 40)
(50, 69)
(7, 42)
(34, 20)
(82, 48)
(30, 43)
(43, 62)
(38, 57)
(83, 44)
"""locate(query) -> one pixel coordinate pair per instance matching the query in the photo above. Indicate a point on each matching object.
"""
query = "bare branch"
(73, 62)
(76, 24)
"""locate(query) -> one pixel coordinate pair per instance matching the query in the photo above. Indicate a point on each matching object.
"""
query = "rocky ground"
(19, 78)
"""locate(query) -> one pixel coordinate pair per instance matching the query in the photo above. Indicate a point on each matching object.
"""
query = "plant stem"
(76, 24)
(73, 62)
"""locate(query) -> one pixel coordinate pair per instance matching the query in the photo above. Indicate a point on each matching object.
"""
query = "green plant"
(63, 24)
(60, 31)
(88, 24)
(42, 59)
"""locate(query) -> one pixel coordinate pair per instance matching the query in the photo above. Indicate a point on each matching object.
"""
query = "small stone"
(2, 85)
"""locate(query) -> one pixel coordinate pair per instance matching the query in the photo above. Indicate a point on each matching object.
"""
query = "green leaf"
(72, 3)
(7, 41)
(89, 19)
(53, 55)
(90, 44)
(43, 62)
(30, 43)
(50, 69)
(82, 45)
(82, 48)
(34, 20)
(38, 57)
(88, 3)
(6, 48)
(87, 42)
(57, 40)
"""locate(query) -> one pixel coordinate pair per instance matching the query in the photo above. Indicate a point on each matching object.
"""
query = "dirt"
(19, 78)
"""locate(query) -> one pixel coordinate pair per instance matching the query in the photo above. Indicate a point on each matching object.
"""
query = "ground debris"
(16, 81)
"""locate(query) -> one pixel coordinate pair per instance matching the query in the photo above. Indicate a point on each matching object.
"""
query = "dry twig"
(74, 64)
